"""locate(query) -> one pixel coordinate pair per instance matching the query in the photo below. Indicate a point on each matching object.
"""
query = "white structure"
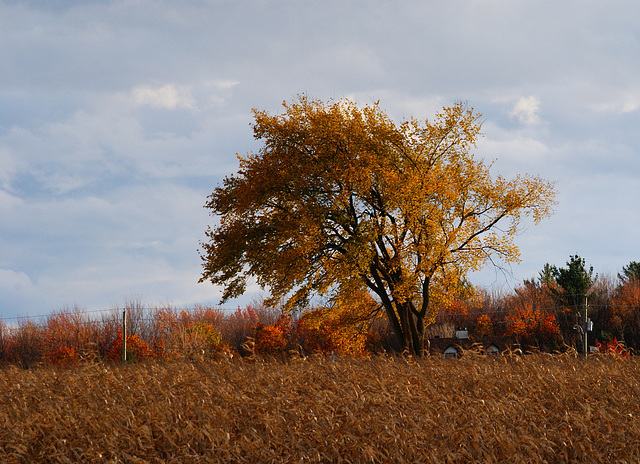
(450, 353)
(494, 350)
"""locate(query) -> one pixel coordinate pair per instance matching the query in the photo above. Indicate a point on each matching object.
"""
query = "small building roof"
(438, 346)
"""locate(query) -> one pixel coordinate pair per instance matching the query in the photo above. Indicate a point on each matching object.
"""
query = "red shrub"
(534, 328)
(613, 347)
(63, 356)
(313, 338)
(137, 349)
(270, 339)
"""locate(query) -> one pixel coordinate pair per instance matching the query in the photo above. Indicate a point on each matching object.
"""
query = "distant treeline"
(546, 313)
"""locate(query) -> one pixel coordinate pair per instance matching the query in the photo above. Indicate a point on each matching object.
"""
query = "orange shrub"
(624, 318)
(345, 325)
(63, 356)
(211, 316)
(534, 328)
(313, 338)
(458, 307)
(166, 321)
(201, 339)
(69, 327)
(137, 349)
(270, 339)
(484, 325)
(158, 349)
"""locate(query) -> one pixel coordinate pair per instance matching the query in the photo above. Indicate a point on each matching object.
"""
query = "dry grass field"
(513, 409)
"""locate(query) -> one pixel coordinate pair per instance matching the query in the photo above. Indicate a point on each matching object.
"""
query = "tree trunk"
(411, 330)
(420, 334)
(408, 332)
(405, 339)
(416, 337)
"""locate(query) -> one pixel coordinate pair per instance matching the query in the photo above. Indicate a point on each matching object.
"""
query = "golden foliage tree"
(346, 321)
(340, 198)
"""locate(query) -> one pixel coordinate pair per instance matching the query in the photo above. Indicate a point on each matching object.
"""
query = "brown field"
(512, 409)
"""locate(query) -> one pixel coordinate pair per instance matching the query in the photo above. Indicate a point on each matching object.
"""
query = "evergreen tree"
(630, 272)
(574, 281)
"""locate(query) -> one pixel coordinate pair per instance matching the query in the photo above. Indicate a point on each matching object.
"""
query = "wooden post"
(585, 341)
(124, 335)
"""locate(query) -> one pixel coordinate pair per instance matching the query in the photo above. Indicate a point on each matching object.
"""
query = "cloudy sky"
(118, 118)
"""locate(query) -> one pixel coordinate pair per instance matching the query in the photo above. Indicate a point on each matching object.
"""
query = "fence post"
(124, 335)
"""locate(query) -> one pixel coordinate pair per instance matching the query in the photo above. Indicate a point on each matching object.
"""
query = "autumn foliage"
(534, 327)
(68, 337)
(535, 317)
(341, 200)
(272, 339)
(137, 349)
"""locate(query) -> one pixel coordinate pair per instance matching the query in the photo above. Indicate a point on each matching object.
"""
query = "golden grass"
(531, 409)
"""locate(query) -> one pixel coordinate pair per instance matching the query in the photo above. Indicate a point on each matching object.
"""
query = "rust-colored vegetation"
(532, 319)
(537, 408)
(257, 385)
(71, 336)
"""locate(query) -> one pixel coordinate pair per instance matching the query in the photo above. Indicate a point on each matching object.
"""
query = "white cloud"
(9, 166)
(19, 296)
(8, 202)
(526, 111)
(169, 96)
(119, 118)
(615, 100)
(399, 105)
(516, 153)
(111, 139)
(226, 84)
(137, 240)
(120, 276)
(14, 281)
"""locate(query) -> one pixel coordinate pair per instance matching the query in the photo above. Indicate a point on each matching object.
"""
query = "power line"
(114, 312)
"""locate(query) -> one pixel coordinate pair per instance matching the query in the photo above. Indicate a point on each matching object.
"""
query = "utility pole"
(124, 335)
(585, 342)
